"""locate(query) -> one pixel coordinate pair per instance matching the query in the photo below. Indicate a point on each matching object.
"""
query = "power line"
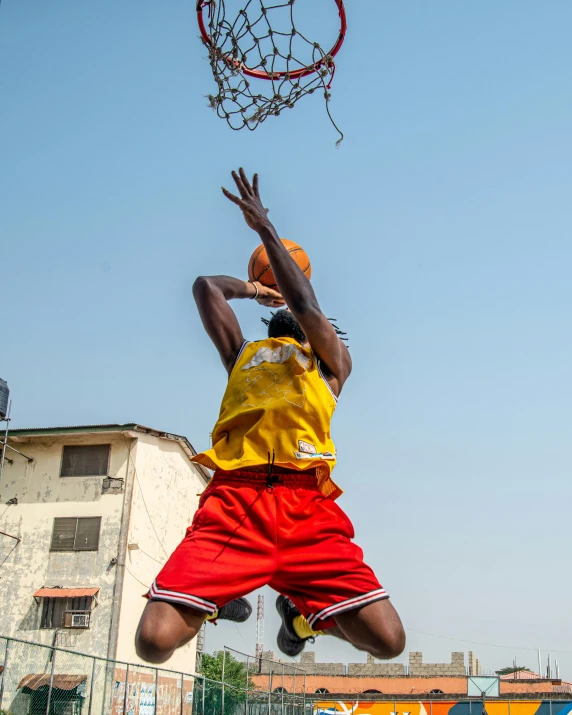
(490, 645)
(144, 502)
(135, 577)
(161, 563)
(149, 515)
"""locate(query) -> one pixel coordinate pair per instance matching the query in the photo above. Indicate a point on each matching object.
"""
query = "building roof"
(65, 592)
(522, 675)
(60, 681)
(19, 434)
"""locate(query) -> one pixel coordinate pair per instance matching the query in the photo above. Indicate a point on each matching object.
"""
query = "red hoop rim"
(296, 74)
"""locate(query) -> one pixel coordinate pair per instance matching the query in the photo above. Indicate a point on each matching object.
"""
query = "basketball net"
(254, 66)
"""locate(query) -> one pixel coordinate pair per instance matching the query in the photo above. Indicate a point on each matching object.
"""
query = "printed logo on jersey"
(318, 455)
(276, 374)
(306, 447)
(279, 355)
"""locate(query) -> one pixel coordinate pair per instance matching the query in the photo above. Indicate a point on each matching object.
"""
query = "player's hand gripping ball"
(259, 266)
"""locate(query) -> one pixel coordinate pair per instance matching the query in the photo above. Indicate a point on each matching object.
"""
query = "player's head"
(283, 324)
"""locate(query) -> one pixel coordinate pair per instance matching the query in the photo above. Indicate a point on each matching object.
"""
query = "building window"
(76, 534)
(436, 692)
(89, 460)
(66, 612)
(280, 690)
(373, 690)
(322, 691)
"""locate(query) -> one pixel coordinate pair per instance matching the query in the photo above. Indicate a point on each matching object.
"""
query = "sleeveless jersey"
(277, 401)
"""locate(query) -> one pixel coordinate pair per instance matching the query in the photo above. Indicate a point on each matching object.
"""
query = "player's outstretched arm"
(212, 294)
(293, 284)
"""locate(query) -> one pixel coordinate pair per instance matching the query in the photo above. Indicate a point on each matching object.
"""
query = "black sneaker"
(238, 611)
(289, 641)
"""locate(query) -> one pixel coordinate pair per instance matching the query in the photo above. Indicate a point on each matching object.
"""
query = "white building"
(85, 526)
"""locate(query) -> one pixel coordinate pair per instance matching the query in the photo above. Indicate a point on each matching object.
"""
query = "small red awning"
(65, 592)
(59, 681)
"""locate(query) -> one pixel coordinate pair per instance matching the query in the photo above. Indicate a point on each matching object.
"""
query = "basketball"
(259, 265)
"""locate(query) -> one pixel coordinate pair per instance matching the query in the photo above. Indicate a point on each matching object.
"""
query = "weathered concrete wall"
(42, 496)
(474, 664)
(418, 667)
(165, 497)
(372, 669)
(308, 663)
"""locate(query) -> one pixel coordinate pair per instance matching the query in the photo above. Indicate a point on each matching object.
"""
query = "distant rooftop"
(17, 434)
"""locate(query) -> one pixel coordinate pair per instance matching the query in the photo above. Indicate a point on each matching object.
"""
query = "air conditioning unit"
(77, 619)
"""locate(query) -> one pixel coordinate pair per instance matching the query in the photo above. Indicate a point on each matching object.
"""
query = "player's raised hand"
(268, 297)
(249, 202)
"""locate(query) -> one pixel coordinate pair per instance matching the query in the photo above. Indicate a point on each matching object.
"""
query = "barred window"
(55, 610)
(76, 534)
(86, 460)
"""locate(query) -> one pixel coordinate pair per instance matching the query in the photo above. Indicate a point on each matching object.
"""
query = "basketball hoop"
(247, 47)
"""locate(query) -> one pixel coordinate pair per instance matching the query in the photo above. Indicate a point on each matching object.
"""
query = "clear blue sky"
(440, 239)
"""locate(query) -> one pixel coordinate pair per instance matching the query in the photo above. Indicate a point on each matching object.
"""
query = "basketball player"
(269, 514)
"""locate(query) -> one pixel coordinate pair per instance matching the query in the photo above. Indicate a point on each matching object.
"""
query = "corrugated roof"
(65, 592)
(60, 681)
(116, 426)
(522, 675)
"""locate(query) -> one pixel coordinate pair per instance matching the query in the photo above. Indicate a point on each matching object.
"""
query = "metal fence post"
(295, 699)
(156, 702)
(126, 687)
(6, 654)
(204, 679)
(91, 687)
(270, 688)
(51, 682)
(247, 684)
(282, 694)
(222, 698)
(182, 689)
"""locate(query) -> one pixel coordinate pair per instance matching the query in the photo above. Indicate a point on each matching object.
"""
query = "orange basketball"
(259, 265)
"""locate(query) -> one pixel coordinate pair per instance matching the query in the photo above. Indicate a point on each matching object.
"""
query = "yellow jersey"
(277, 401)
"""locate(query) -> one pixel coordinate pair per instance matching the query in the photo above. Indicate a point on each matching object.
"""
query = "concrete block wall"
(418, 667)
(474, 664)
(308, 663)
(373, 669)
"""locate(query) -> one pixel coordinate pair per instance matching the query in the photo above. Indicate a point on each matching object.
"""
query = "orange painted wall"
(344, 684)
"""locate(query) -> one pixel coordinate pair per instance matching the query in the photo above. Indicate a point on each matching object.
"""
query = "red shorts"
(246, 534)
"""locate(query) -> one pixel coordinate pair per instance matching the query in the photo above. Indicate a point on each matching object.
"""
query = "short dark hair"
(283, 324)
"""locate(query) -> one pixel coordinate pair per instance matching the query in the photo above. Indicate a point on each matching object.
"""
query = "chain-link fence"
(277, 697)
(38, 679)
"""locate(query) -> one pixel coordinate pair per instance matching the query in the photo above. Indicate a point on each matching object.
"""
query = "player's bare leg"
(375, 628)
(163, 628)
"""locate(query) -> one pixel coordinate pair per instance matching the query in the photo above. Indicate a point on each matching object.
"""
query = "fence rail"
(38, 679)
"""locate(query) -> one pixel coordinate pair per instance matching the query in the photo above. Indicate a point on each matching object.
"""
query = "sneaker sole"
(292, 652)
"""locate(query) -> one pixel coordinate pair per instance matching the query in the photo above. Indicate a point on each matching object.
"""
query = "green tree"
(511, 669)
(236, 681)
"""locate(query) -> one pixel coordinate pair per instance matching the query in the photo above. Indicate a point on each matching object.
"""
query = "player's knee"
(390, 645)
(153, 642)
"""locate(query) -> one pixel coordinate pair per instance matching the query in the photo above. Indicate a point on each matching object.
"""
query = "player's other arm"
(212, 294)
(293, 284)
